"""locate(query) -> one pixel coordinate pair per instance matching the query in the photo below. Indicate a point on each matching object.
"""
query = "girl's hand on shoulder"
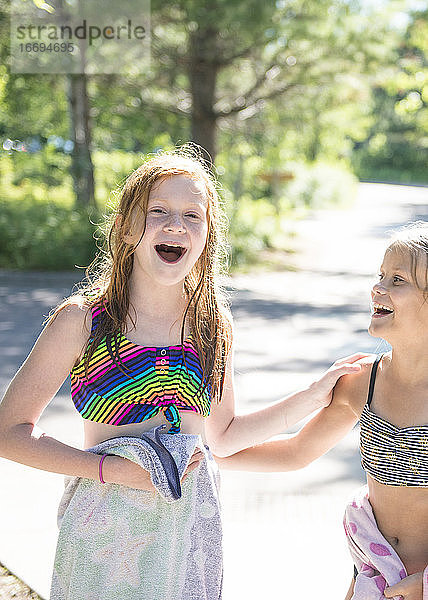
(322, 389)
(409, 588)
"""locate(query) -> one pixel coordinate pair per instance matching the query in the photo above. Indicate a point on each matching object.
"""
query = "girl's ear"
(127, 237)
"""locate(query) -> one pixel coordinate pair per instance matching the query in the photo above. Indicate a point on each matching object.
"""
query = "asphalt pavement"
(283, 532)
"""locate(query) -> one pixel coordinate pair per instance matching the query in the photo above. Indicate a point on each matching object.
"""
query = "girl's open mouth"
(170, 254)
(380, 310)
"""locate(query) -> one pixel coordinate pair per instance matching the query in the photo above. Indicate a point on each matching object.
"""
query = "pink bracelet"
(100, 468)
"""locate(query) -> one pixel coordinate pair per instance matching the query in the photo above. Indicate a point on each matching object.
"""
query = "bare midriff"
(95, 433)
(402, 517)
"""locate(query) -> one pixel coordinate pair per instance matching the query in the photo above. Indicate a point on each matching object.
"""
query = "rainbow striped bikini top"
(145, 382)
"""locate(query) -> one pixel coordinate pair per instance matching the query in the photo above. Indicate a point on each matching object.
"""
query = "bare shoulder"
(73, 320)
(352, 389)
(46, 367)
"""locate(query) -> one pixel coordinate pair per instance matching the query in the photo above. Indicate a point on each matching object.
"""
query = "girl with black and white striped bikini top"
(392, 455)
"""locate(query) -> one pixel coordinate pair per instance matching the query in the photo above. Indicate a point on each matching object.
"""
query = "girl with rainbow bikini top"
(390, 398)
(148, 342)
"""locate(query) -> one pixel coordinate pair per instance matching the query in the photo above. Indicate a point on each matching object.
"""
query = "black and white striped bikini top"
(389, 454)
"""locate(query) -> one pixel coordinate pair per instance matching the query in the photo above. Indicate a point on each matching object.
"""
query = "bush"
(263, 223)
(40, 228)
(110, 171)
(44, 235)
(41, 176)
(251, 230)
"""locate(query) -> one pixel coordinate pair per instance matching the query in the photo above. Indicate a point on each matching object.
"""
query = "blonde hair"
(108, 276)
(413, 240)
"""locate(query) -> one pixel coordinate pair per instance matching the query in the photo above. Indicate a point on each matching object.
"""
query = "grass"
(11, 588)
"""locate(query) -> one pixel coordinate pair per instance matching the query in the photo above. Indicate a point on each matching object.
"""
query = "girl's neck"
(409, 364)
(155, 301)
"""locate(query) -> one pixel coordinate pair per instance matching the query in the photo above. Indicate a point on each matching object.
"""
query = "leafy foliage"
(44, 235)
(302, 92)
(396, 147)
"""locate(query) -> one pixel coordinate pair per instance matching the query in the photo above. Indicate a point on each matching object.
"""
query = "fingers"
(192, 467)
(393, 591)
(410, 588)
(194, 462)
(197, 456)
(352, 358)
(334, 373)
(345, 369)
(189, 469)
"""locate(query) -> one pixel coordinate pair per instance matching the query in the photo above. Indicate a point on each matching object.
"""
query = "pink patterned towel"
(379, 566)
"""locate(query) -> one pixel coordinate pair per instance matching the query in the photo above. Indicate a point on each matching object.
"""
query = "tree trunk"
(82, 169)
(203, 79)
(315, 140)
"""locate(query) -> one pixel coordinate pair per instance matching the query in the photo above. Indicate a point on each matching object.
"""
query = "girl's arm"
(37, 381)
(320, 434)
(228, 433)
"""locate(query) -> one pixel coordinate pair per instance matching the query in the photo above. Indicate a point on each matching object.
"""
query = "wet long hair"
(413, 241)
(107, 278)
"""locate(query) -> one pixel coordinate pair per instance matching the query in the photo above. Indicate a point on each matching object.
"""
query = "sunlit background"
(296, 104)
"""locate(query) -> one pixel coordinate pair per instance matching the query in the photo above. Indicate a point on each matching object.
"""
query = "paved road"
(283, 535)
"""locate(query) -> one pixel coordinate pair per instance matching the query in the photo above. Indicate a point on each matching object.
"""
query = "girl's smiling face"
(399, 306)
(175, 231)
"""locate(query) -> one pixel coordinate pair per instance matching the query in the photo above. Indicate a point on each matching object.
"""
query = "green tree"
(224, 58)
(82, 168)
(396, 147)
